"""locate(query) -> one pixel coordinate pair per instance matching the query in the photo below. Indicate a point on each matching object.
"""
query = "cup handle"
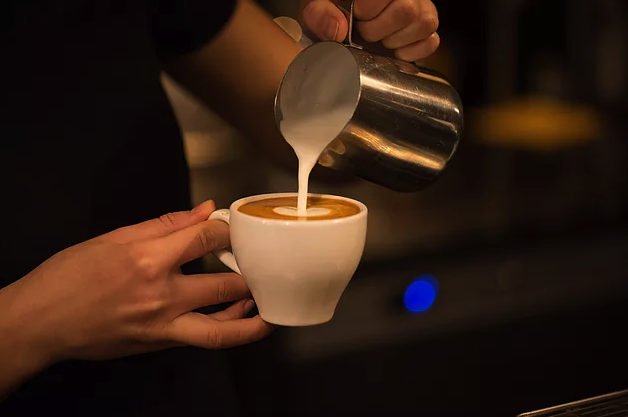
(223, 255)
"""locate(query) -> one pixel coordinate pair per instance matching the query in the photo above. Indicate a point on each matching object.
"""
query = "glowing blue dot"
(420, 294)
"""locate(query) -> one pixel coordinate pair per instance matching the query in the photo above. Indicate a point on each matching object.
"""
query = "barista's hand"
(406, 26)
(123, 293)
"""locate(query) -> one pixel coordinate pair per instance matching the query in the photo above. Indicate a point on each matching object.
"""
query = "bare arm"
(21, 354)
(237, 75)
(122, 294)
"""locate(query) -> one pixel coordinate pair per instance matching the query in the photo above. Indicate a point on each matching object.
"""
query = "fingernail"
(248, 306)
(331, 29)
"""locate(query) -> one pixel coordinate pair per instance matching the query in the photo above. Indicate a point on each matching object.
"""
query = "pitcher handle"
(347, 8)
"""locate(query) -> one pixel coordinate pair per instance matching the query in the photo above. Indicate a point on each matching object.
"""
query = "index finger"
(161, 226)
(193, 242)
(202, 331)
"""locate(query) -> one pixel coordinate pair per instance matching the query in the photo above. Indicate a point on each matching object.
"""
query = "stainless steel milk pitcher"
(404, 122)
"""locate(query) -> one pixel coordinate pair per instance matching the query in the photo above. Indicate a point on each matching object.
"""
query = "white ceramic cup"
(296, 270)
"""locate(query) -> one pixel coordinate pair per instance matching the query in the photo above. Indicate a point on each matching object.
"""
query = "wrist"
(26, 351)
(23, 347)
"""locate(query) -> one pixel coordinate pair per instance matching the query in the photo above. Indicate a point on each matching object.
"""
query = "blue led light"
(420, 294)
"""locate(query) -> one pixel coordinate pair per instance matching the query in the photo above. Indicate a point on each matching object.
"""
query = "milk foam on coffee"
(294, 212)
(284, 208)
(309, 129)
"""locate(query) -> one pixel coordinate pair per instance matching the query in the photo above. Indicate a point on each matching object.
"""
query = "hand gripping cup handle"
(223, 255)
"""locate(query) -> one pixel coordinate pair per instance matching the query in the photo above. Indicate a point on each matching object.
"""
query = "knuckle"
(431, 21)
(168, 220)
(309, 11)
(155, 299)
(239, 337)
(141, 262)
(154, 305)
(406, 11)
(207, 239)
(223, 293)
(213, 338)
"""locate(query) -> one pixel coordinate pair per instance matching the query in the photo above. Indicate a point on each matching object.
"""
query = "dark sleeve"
(182, 26)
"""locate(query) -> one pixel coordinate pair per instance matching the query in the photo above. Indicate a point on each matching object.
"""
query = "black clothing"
(89, 143)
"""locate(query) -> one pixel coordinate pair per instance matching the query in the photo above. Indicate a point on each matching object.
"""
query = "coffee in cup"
(285, 208)
(296, 267)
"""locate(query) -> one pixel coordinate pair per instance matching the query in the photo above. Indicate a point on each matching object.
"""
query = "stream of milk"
(321, 95)
(309, 137)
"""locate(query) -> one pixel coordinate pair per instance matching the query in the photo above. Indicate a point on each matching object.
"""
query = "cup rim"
(236, 204)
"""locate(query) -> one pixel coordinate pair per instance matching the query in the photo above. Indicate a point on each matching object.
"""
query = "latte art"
(309, 212)
(285, 208)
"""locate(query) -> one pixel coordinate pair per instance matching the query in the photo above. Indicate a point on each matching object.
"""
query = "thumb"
(161, 226)
(325, 20)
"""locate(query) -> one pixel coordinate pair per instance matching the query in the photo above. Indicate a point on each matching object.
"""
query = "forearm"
(21, 356)
(238, 73)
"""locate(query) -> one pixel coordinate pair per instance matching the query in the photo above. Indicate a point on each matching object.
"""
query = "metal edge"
(604, 397)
